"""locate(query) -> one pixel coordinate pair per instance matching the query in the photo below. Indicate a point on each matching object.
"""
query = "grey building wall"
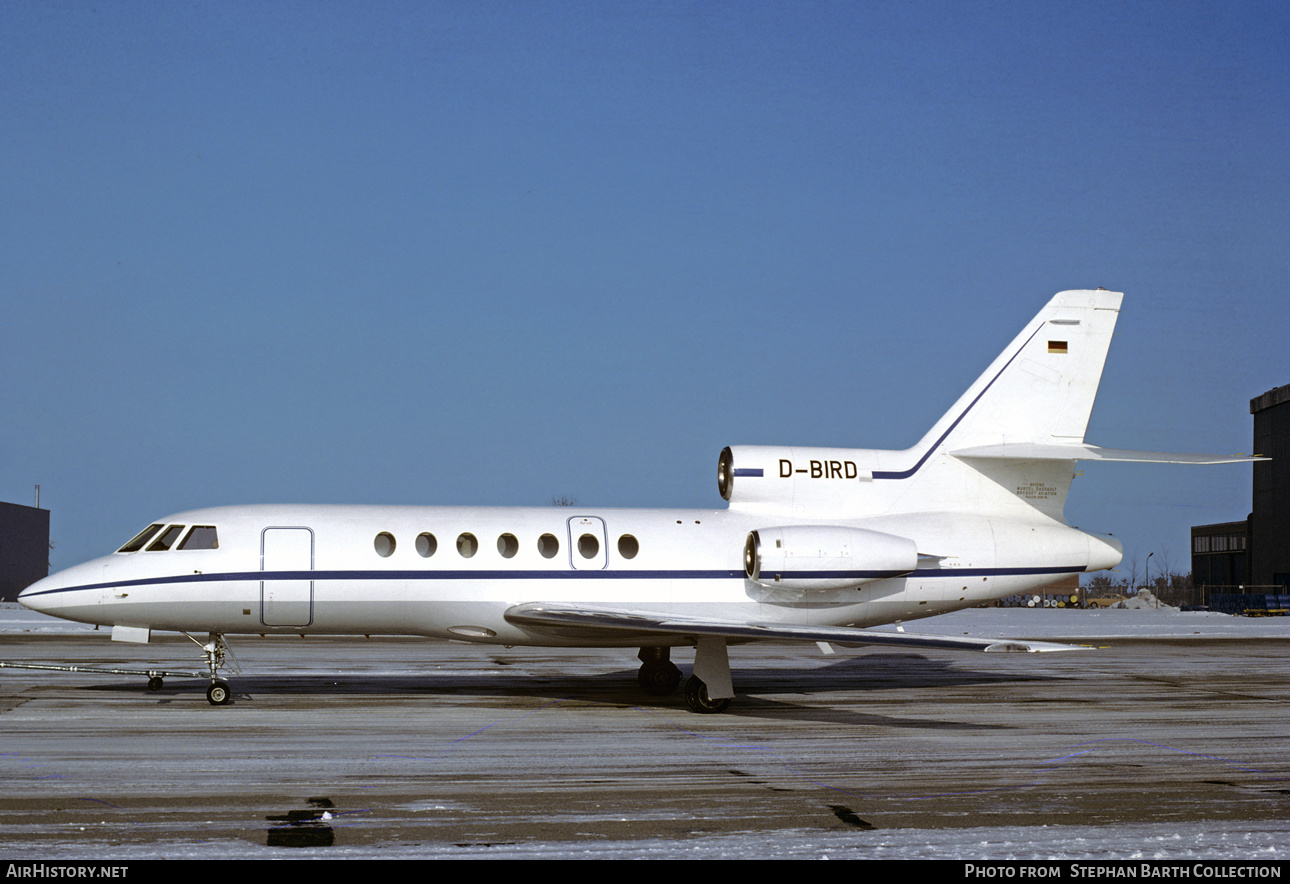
(24, 548)
(1270, 519)
(1220, 556)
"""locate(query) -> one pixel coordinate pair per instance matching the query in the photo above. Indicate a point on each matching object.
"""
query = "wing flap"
(571, 620)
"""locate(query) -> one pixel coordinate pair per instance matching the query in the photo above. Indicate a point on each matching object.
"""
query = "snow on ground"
(1072, 623)
(1263, 841)
(1198, 840)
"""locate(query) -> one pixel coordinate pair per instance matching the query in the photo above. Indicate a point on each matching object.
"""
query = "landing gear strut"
(709, 689)
(658, 675)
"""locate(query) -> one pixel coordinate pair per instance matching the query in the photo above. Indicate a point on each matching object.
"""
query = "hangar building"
(24, 548)
(1254, 552)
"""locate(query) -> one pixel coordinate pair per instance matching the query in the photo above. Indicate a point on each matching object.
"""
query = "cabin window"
(201, 537)
(508, 546)
(548, 546)
(467, 545)
(588, 546)
(384, 544)
(426, 545)
(167, 539)
(628, 546)
(141, 538)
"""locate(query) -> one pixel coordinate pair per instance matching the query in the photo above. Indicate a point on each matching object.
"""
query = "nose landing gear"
(216, 650)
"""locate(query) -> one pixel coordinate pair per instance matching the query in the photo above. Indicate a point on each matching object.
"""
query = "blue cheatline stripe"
(942, 572)
(261, 576)
(749, 471)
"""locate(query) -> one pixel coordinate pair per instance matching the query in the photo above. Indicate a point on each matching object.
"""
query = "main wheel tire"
(659, 678)
(155, 683)
(696, 697)
(219, 693)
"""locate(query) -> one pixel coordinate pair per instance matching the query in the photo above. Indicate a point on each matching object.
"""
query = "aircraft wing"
(570, 621)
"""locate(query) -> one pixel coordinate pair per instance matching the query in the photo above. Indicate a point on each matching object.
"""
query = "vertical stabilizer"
(1039, 391)
(1041, 388)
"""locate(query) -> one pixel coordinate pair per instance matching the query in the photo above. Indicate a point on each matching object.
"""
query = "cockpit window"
(201, 537)
(167, 539)
(141, 538)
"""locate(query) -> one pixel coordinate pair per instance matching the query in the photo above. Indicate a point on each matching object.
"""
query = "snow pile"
(1143, 600)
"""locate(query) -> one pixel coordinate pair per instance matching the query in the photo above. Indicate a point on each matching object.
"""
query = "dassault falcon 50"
(815, 544)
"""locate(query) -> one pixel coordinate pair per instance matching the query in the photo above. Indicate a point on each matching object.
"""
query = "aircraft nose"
(40, 595)
(73, 594)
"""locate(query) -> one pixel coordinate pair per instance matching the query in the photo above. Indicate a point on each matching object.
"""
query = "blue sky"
(494, 252)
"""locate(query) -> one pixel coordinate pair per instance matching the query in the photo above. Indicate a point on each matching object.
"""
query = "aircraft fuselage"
(453, 572)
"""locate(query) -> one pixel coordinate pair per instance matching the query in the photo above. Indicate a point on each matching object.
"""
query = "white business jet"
(816, 544)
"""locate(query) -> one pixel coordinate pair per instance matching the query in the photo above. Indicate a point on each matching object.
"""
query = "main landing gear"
(696, 697)
(708, 690)
(658, 675)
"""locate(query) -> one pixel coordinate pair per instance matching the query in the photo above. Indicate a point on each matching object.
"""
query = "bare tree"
(1160, 583)
(1100, 586)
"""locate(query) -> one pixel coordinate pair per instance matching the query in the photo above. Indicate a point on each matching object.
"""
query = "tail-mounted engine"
(791, 480)
(822, 557)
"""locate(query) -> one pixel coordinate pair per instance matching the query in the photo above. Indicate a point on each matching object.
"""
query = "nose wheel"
(219, 693)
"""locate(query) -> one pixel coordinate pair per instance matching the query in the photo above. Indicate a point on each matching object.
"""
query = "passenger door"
(287, 597)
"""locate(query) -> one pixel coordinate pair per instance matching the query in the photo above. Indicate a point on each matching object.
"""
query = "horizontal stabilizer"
(1082, 451)
(570, 620)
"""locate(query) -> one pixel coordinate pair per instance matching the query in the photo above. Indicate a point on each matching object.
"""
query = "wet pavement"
(390, 743)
